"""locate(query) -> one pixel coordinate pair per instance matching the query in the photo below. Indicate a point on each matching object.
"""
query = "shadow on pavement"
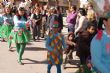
(35, 49)
(73, 64)
(40, 40)
(29, 43)
(35, 62)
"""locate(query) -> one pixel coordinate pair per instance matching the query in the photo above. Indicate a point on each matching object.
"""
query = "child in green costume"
(21, 32)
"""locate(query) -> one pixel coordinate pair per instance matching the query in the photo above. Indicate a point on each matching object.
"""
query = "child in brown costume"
(71, 44)
(83, 41)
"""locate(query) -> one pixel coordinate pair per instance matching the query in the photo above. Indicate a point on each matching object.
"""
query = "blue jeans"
(58, 68)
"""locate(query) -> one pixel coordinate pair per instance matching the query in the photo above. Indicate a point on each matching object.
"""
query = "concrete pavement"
(34, 59)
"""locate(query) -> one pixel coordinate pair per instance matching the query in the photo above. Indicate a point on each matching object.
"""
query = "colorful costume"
(7, 26)
(20, 35)
(100, 52)
(54, 45)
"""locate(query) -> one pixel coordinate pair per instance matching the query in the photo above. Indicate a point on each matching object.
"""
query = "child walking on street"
(7, 24)
(21, 34)
(54, 43)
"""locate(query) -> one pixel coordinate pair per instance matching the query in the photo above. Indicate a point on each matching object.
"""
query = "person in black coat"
(36, 27)
(83, 42)
(60, 18)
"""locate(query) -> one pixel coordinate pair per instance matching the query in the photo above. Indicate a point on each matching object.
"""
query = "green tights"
(20, 50)
(9, 44)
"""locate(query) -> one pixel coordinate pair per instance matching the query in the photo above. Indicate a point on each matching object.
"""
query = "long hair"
(5, 14)
(71, 33)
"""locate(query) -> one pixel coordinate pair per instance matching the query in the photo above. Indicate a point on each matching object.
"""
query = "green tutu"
(20, 36)
(5, 31)
(0, 26)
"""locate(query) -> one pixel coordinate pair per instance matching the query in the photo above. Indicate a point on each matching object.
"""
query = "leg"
(3, 40)
(46, 32)
(9, 44)
(58, 68)
(38, 30)
(65, 62)
(70, 54)
(83, 62)
(42, 30)
(22, 47)
(17, 47)
(70, 28)
(49, 68)
(34, 32)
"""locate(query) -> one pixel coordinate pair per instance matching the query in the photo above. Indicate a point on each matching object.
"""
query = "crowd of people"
(28, 22)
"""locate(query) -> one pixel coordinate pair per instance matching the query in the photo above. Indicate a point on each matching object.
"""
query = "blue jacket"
(100, 53)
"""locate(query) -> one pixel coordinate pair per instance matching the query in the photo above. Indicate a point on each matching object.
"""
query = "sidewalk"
(34, 59)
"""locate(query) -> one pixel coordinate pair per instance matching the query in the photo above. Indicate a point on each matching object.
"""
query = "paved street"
(34, 59)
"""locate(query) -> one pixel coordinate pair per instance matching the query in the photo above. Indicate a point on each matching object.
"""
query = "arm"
(37, 20)
(40, 18)
(32, 16)
(1, 20)
(70, 42)
(74, 16)
(68, 18)
(32, 19)
(96, 54)
(71, 17)
(18, 22)
(48, 47)
(63, 42)
(81, 20)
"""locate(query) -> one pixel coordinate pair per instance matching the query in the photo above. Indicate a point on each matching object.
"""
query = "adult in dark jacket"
(83, 42)
(60, 19)
(36, 27)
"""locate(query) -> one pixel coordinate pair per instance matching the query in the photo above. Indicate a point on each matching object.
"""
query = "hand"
(72, 43)
(36, 20)
(10, 37)
(89, 65)
(75, 44)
